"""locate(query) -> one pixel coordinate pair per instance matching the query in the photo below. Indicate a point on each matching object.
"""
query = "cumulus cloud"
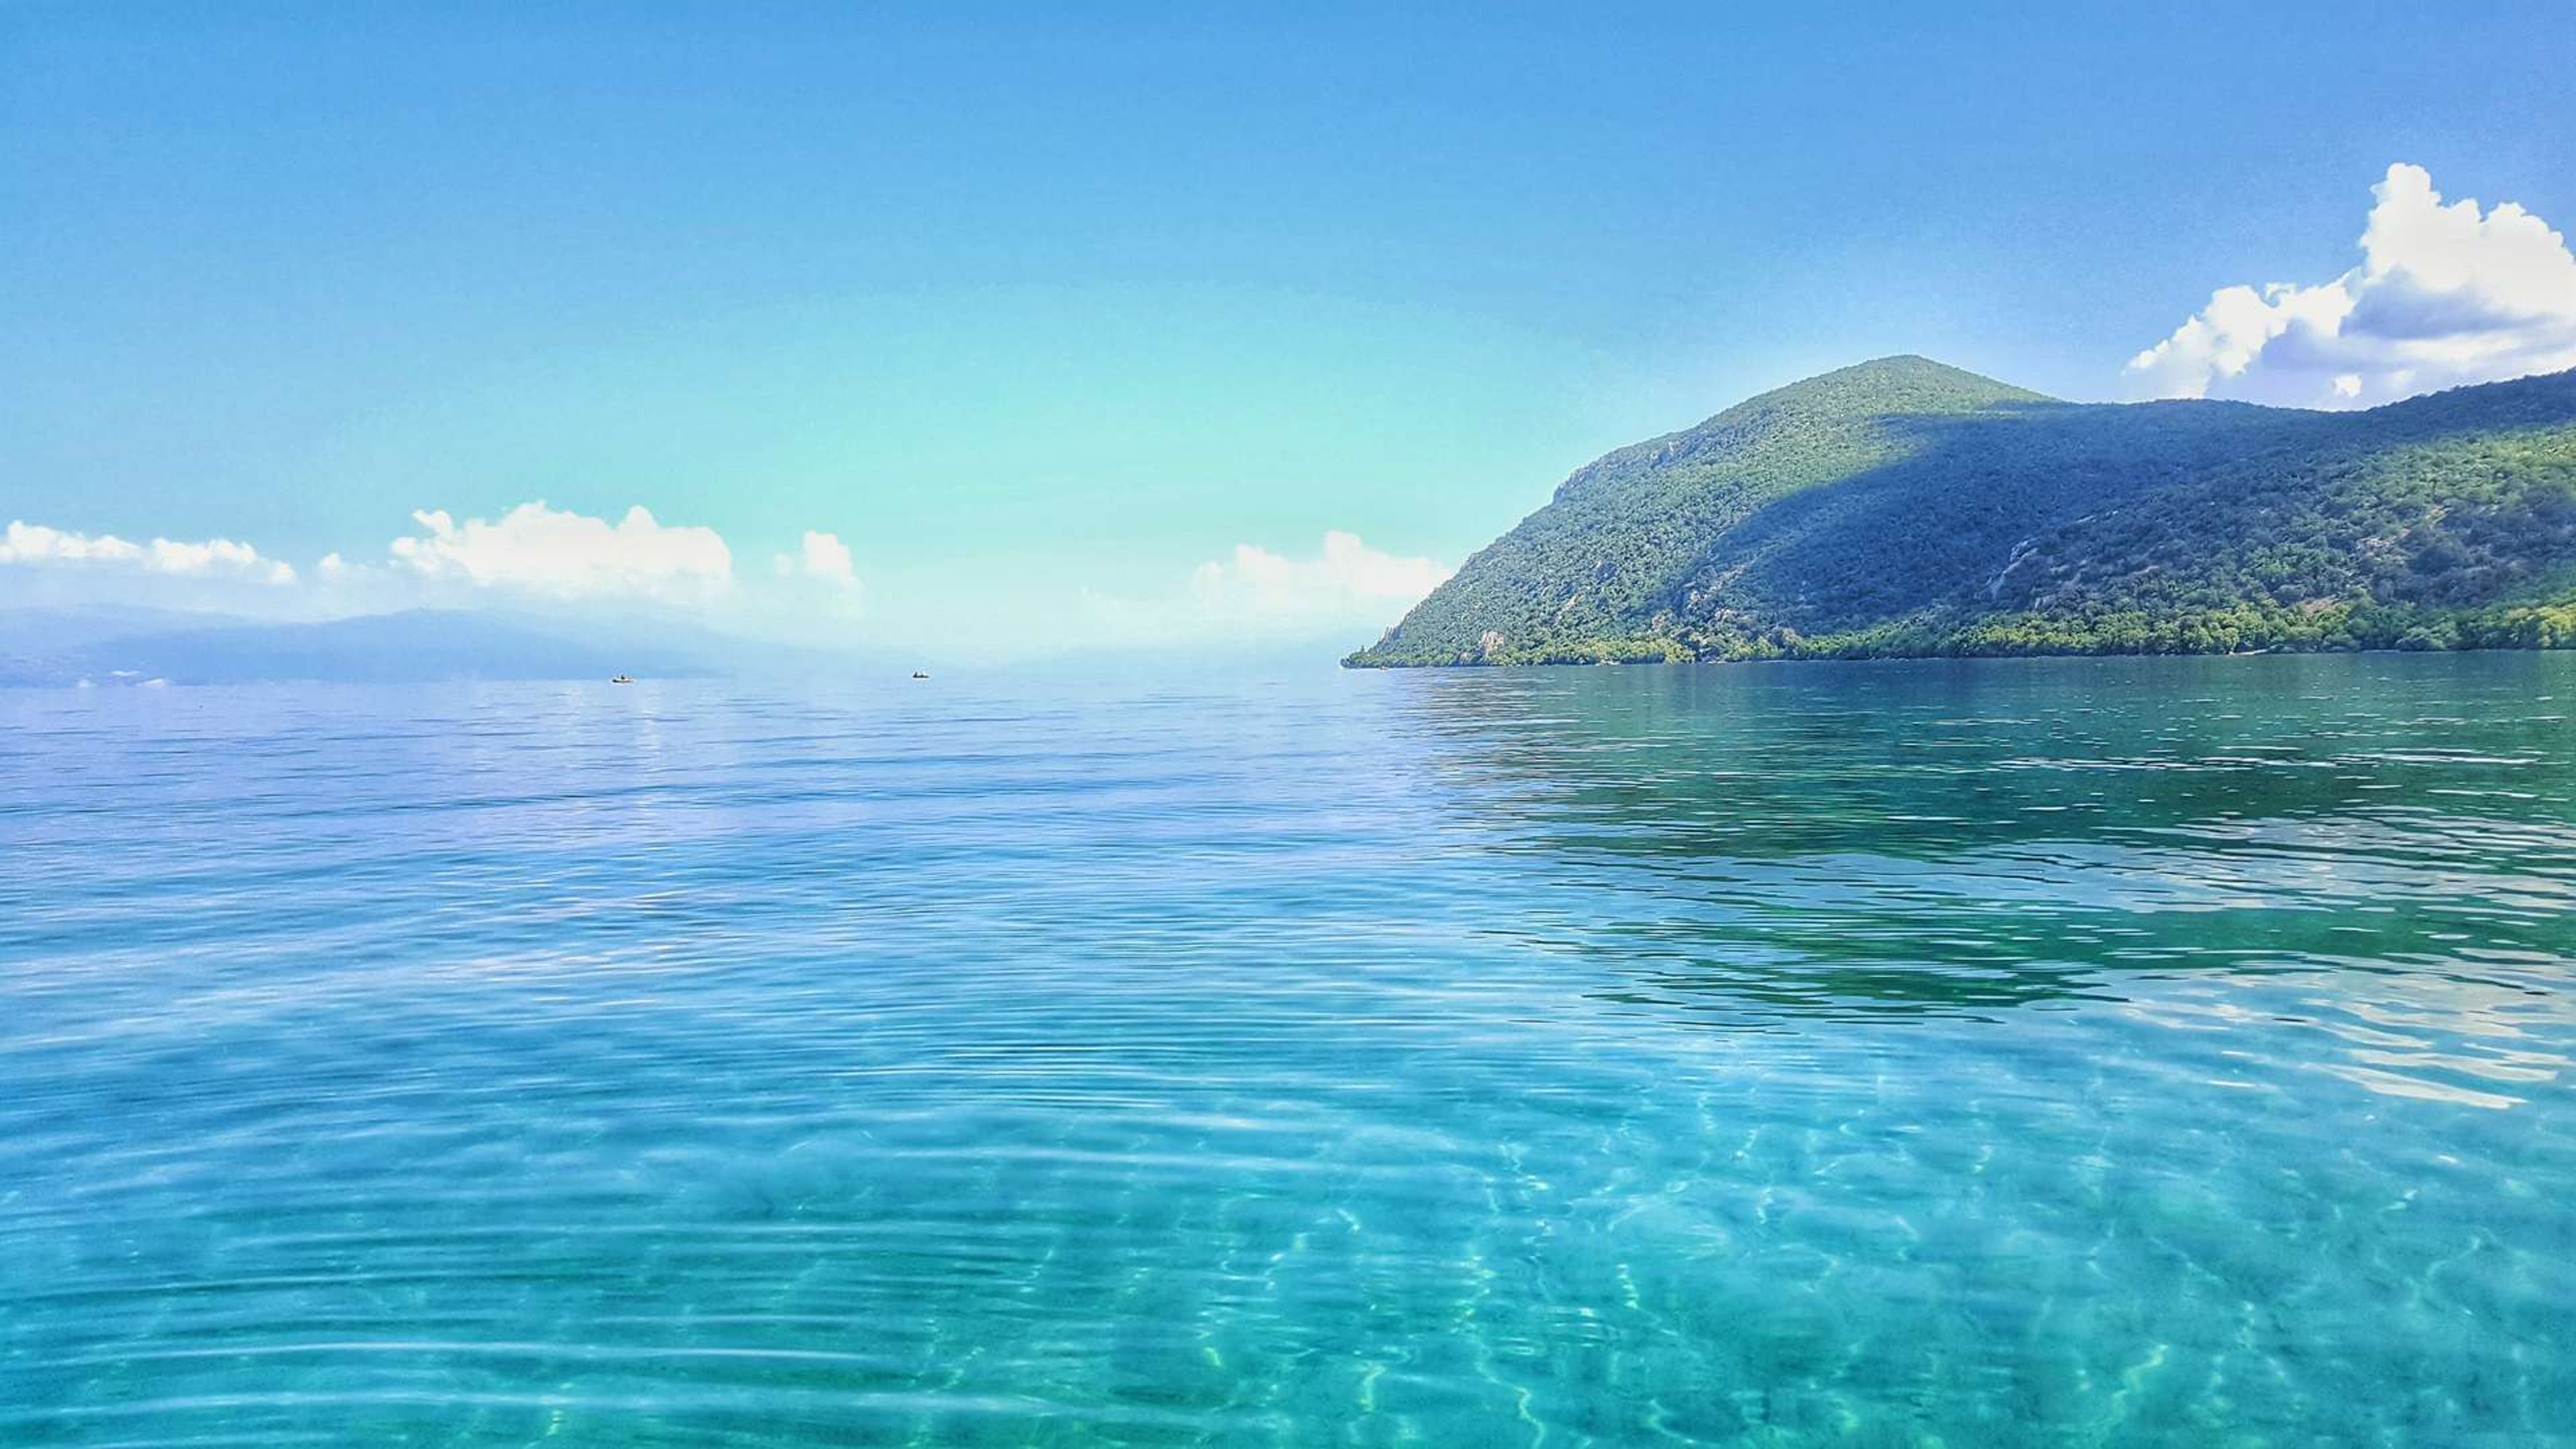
(822, 556)
(2445, 294)
(34, 543)
(541, 550)
(1346, 579)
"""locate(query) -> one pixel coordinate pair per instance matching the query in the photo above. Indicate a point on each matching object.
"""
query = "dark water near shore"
(2025, 1051)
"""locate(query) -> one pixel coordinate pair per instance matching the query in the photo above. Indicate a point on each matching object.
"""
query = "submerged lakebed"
(2013, 1051)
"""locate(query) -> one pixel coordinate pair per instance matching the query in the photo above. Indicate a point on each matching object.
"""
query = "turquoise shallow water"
(2047, 1052)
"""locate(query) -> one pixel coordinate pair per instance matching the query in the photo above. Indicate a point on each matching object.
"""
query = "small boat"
(920, 674)
(623, 679)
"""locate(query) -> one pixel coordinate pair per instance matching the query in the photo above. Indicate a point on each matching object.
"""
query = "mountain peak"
(1903, 383)
(1904, 362)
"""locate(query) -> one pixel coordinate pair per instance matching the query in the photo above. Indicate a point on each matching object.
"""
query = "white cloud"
(529, 556)
(2444, 295)
(541, 550)
(1345, 580)
(822, 556)
(33, 543)
(1251, 597)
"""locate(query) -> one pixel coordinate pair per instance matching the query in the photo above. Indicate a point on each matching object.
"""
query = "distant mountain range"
(104, 647)
(1907, 508)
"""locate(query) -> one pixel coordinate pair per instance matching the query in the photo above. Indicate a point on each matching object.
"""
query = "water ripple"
(2012, 1052)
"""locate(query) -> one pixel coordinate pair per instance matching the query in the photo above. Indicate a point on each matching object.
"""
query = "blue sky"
(1046, 318)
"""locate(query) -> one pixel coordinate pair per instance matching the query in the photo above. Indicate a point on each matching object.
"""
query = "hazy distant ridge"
(61, 647)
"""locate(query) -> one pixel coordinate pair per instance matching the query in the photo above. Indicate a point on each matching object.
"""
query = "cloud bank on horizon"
(1345, 578)
(535, 554)
(532, 554)
(1345, 589)
(552, 552)
(32, 543)
(2445, 295)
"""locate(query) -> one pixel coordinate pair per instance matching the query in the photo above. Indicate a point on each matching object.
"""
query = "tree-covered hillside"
(1902, 507)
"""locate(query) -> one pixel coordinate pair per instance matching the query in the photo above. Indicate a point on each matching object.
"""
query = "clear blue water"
(2046, 1052)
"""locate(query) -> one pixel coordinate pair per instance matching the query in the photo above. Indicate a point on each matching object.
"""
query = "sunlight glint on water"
(2014, 1052)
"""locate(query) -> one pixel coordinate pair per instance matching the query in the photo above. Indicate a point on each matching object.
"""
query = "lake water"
(2024, 1051)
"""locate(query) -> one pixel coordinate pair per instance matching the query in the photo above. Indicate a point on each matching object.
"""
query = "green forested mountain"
(1902, 507)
